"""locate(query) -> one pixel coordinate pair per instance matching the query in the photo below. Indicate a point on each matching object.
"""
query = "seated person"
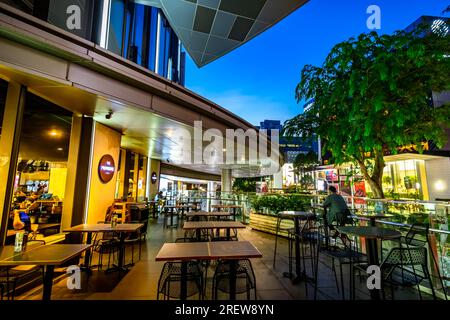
(337, 208)
(21, 220)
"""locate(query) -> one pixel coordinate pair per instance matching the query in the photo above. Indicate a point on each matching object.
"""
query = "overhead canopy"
(209, 29)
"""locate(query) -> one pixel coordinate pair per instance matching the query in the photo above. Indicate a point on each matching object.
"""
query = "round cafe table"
(373, 217)
(371, 234)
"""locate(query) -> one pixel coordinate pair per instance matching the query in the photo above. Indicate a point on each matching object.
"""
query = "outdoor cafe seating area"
(180, 251)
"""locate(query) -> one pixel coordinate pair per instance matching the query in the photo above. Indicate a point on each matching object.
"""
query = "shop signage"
(106, 168)
(154, 177)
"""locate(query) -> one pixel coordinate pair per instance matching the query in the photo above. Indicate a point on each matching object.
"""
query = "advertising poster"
(360, 192)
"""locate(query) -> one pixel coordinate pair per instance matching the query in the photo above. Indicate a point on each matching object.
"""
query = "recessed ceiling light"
(60, 149)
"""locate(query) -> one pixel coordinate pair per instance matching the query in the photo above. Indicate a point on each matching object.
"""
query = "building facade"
(92, 94)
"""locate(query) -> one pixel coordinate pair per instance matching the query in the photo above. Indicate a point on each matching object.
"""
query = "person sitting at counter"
(21, 219)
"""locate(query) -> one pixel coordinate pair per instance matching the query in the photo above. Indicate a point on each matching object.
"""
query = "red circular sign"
(106, 168)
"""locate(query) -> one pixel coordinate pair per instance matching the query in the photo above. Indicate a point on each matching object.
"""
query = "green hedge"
(276, 203)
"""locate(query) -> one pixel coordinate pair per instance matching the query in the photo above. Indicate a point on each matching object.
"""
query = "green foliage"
(306, 181)
(276, 203)
(244, 185)
(372, 95)
(305, 162)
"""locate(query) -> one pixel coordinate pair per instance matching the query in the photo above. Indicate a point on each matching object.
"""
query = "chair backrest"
(415, 231)
(406, 257)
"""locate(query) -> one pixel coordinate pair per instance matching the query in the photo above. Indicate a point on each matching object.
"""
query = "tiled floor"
(141, 280)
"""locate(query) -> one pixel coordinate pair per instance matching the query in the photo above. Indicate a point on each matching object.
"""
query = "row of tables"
(185, 207)
(50, 256)
(225, 250)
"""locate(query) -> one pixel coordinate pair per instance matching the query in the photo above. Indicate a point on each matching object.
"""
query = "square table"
(186, 252)
(45, 255)
(198, 225)
(227, 206)
(121, 228)
(206, 214)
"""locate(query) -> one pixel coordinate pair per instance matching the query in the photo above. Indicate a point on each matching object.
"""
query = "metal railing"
(406, 213)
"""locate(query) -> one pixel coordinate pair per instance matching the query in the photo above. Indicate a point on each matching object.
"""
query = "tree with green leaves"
(303, 163)
(373, 94)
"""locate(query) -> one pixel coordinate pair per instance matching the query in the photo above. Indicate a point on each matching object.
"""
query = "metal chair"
(412, 239)
(11, 276)
(138, 237)
(107, 244)
(245, 278)
(400, 269)
(344, 250)
(169, 282)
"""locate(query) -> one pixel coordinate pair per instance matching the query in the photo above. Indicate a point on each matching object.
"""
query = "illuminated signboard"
(154, 177)
(106, 168)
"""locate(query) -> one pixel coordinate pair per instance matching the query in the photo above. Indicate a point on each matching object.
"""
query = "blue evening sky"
(257, 81)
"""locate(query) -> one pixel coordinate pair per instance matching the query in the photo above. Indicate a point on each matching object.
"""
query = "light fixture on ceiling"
(54, 133)
(109, 115)
(60, 149)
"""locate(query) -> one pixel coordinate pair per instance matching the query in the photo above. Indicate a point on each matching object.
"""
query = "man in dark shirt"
(337, 207)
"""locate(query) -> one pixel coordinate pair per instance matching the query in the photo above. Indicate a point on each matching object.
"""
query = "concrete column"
(226, 180)
(9, 150)
(78, 170)
(121, 193)
(278, 180)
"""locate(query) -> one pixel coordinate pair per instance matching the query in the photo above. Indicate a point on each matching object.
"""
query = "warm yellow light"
(54, 133)
(440, 185)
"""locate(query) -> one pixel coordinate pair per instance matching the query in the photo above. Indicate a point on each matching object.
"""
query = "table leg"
(121, 251)
(228, 234)
(372, 257)
(234, 214)
(233, 267)
(298, 270)
(183, 286)
(171, 217)
(87, 256)
(48, 283)
(372, 222)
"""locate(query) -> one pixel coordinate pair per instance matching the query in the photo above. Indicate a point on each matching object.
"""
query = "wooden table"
(121, 228)
(48, 256)
(297, 216)
(205, 214)
(373, 217)
(199, 225)
(224, 206)
(186, 252)
(172, 209)
(371, 234)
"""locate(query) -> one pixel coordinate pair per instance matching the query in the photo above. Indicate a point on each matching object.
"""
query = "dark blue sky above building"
(257, 81)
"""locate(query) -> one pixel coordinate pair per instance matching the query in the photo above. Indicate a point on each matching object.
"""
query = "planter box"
(268, 223)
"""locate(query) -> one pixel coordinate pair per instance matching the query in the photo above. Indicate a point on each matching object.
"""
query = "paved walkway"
(140, 283)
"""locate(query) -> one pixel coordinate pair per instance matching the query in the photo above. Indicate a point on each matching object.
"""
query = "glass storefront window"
(404, 179)
(40, 180)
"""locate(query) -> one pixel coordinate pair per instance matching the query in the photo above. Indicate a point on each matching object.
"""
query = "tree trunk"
(374, 180)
